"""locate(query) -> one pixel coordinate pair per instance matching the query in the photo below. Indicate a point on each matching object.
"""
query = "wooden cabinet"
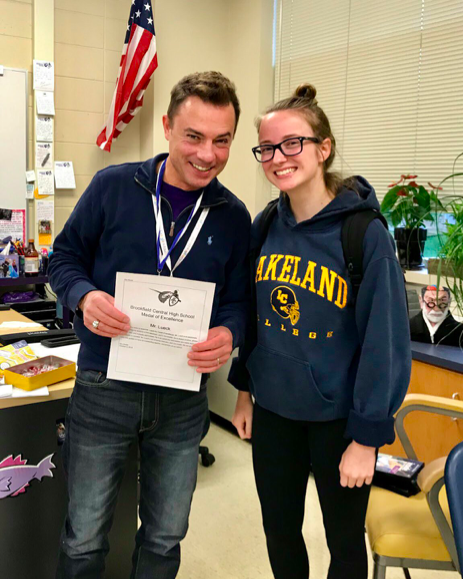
(432, 436)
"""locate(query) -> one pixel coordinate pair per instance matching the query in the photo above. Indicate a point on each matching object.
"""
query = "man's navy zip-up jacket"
(113, 228)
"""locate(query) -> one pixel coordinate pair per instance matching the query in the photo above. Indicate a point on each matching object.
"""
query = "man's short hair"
(211, 87)
(433, 288)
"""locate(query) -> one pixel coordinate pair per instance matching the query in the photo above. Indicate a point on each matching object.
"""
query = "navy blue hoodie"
(113, 228)
(319, 357)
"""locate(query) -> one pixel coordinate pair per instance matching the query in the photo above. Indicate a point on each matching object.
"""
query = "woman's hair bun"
(306, 91)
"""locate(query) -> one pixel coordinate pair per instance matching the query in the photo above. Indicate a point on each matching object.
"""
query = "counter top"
(57, 391)
(448, 357)
(13, 316)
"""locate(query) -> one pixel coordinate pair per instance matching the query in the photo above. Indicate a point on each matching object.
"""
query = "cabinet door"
(432, 436)
(30, 523)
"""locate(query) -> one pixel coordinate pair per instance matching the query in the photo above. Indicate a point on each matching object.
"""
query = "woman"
(326, 374)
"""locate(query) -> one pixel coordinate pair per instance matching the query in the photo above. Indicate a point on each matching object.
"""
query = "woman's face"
(291, 172)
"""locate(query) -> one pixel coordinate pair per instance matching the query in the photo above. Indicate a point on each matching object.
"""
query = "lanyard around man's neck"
(162, 250)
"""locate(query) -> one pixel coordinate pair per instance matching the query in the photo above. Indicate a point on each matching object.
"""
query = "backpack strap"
(352, 235)
(239, 374)
(266, 219)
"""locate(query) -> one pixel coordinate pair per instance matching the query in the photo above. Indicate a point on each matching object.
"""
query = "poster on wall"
(45, 214)
(44, 75)
(43, 156)
(44, 129)
(14, 227)
(45, 183)
(64, 175)
(45, 103)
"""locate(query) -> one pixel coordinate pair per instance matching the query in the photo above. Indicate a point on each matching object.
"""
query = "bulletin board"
(13, 138)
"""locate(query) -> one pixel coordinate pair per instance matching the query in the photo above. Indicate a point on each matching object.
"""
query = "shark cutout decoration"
(16, 474)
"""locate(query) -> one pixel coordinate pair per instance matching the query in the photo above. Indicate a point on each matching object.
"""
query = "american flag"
(138, 62)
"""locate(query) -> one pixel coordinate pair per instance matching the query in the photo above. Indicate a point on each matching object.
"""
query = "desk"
(30, 523)
(436, 370)
(12, 316)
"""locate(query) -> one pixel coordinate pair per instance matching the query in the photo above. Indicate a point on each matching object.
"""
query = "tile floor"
(226, 541)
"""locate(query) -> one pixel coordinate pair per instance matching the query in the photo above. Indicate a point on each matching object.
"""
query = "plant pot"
(448, 268)
(410, 245)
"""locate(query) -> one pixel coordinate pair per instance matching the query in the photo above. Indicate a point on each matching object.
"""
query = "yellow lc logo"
(285, 304)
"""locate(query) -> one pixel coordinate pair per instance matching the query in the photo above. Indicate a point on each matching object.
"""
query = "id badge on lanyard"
(162, 250)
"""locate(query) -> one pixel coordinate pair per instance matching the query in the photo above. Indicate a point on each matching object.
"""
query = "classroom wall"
(88, 43)
(16, 48)
(234, 37)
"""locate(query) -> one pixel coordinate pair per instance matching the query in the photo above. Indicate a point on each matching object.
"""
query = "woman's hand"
(357, 465)
(242, 418)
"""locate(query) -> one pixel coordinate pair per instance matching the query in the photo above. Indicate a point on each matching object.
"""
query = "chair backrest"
(454, 486)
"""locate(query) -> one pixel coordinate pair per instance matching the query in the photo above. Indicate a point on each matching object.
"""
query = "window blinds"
(389, 76)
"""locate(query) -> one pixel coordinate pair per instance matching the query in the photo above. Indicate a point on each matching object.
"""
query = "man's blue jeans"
(104, 418)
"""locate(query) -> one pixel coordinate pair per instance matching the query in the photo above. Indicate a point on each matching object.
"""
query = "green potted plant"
(449, 264)
(407, 205)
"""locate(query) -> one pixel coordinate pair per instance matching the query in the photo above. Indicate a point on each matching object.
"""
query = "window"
(389, 76)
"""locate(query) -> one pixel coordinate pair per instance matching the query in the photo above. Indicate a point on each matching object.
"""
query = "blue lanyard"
(158, 215)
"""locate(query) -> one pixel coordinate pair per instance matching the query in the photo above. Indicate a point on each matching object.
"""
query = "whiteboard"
(13, 138)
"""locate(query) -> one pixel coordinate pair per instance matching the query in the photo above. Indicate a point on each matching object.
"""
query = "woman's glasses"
(288, 147)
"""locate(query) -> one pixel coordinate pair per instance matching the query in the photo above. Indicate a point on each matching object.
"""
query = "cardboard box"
(14, 376)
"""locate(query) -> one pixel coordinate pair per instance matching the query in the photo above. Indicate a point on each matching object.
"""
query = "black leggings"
(284, 452)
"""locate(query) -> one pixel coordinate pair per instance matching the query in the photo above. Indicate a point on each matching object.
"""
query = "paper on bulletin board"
(45, 103)
(45, 210)
(44, 76)
(44, 129)
(45, 182)
(30, 176)
(44, 155)
(64, 175)
(30, 188)
(16, 227)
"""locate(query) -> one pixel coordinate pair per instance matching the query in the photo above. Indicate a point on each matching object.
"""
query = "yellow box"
(14, 376)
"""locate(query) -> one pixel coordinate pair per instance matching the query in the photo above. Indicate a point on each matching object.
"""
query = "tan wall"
(233, 37)
(16, 50)
(88, 43)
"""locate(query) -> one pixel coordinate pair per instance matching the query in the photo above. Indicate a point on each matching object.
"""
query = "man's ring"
(218, 361)
(95, 324)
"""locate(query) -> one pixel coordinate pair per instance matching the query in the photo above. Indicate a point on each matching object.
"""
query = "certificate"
(167, 316)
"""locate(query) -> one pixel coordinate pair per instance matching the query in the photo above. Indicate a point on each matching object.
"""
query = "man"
(435, 324)
(113, 225)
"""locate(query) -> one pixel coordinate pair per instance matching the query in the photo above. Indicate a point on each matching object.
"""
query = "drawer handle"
(455, 396)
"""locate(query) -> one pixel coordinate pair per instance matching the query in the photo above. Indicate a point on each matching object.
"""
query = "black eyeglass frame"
(255, 150)
(440, 305)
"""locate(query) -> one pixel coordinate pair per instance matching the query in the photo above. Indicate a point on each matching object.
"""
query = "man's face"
(434, 307)
(199, 138)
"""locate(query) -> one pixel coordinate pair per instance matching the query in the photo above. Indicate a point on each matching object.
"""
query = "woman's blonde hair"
(303, 101)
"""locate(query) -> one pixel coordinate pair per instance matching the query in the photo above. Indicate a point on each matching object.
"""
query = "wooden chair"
(414, 532)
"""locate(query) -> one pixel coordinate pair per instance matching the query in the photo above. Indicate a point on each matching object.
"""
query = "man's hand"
(210, 355)
(99, 306)
(242, 417)
(357, 465)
